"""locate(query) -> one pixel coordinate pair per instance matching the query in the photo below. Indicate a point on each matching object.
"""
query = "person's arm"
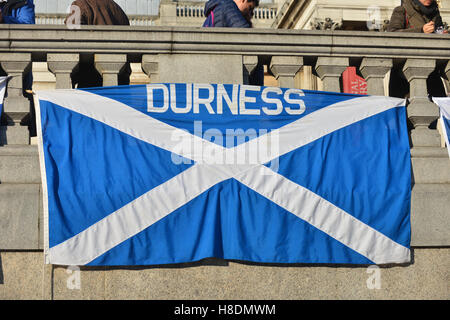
(398, 22)
(24, 15)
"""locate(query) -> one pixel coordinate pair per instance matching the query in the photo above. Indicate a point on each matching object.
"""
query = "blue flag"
(444, 107)
(172, 173)
(3, 82)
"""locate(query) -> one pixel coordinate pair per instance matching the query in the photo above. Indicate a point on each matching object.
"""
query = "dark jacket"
(18, 12)
(101, 12)
(409, 17)
(226, 14)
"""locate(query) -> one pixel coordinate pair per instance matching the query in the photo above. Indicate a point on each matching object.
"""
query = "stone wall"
(24, 276)
(218, 56)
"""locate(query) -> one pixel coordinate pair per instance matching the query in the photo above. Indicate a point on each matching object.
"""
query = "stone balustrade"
(59, 18)
(169, 54)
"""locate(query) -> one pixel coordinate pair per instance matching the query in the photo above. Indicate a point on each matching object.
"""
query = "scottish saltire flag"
(444, 108)
(172, 173)
(3, 82)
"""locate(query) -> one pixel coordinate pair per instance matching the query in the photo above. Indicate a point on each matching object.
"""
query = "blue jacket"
(226, 14)
(22, 15)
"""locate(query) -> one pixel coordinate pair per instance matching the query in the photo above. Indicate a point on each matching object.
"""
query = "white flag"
(3, 81)
(444, 108)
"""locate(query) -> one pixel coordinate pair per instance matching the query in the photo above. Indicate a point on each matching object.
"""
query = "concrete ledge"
(429, 152)
(19, 216)
(430, 218)
(431, 170)
(24, 276)
(19, 164)
(142, 40)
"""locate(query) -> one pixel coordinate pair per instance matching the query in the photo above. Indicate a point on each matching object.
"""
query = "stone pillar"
(168, 13)
(374, 70)
(109, 66)
(330, 70)
(62, 65)
(15, 106)
(249, 63)
(305, 79)
(150, 65)
(421, 111)
(285, 68)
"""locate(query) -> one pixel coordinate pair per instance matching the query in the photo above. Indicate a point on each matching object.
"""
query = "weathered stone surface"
(421, 111)
(14, 134)
(374, 70)
(22, 277)
(150, 65)
(19, 216)
(149, 40)
(285, 68)
(431, 170)
(329, 70)
(62, 65)
(15, 105)
(78, 283)
(430, 214)
(109, 66)
(201, 68)
(19, 164)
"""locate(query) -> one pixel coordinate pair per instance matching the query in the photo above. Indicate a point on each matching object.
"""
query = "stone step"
(19, 164)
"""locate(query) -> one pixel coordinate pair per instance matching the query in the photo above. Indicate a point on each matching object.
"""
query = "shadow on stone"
(204, 262)
(218, 262)
(317, 265)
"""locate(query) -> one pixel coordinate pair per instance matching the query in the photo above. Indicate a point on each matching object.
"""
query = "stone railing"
(58, 19)
(219, 56)
(191, 14)
(191, 10)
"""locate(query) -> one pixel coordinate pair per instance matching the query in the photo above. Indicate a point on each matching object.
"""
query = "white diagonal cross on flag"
(204, 174)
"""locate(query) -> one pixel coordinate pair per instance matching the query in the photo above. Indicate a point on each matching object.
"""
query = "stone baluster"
(285, 68)
(250, 63)
(15, 107)
(62, 65)
(110, 66)
(421, 111)
(150, 65)
(330, 69)
(374, 70)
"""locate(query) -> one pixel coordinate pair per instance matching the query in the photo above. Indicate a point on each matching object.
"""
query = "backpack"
(209, 22)
(10, 5)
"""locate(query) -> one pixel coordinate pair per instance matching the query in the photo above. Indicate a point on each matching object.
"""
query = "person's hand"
(429, 27)
(445, 31)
